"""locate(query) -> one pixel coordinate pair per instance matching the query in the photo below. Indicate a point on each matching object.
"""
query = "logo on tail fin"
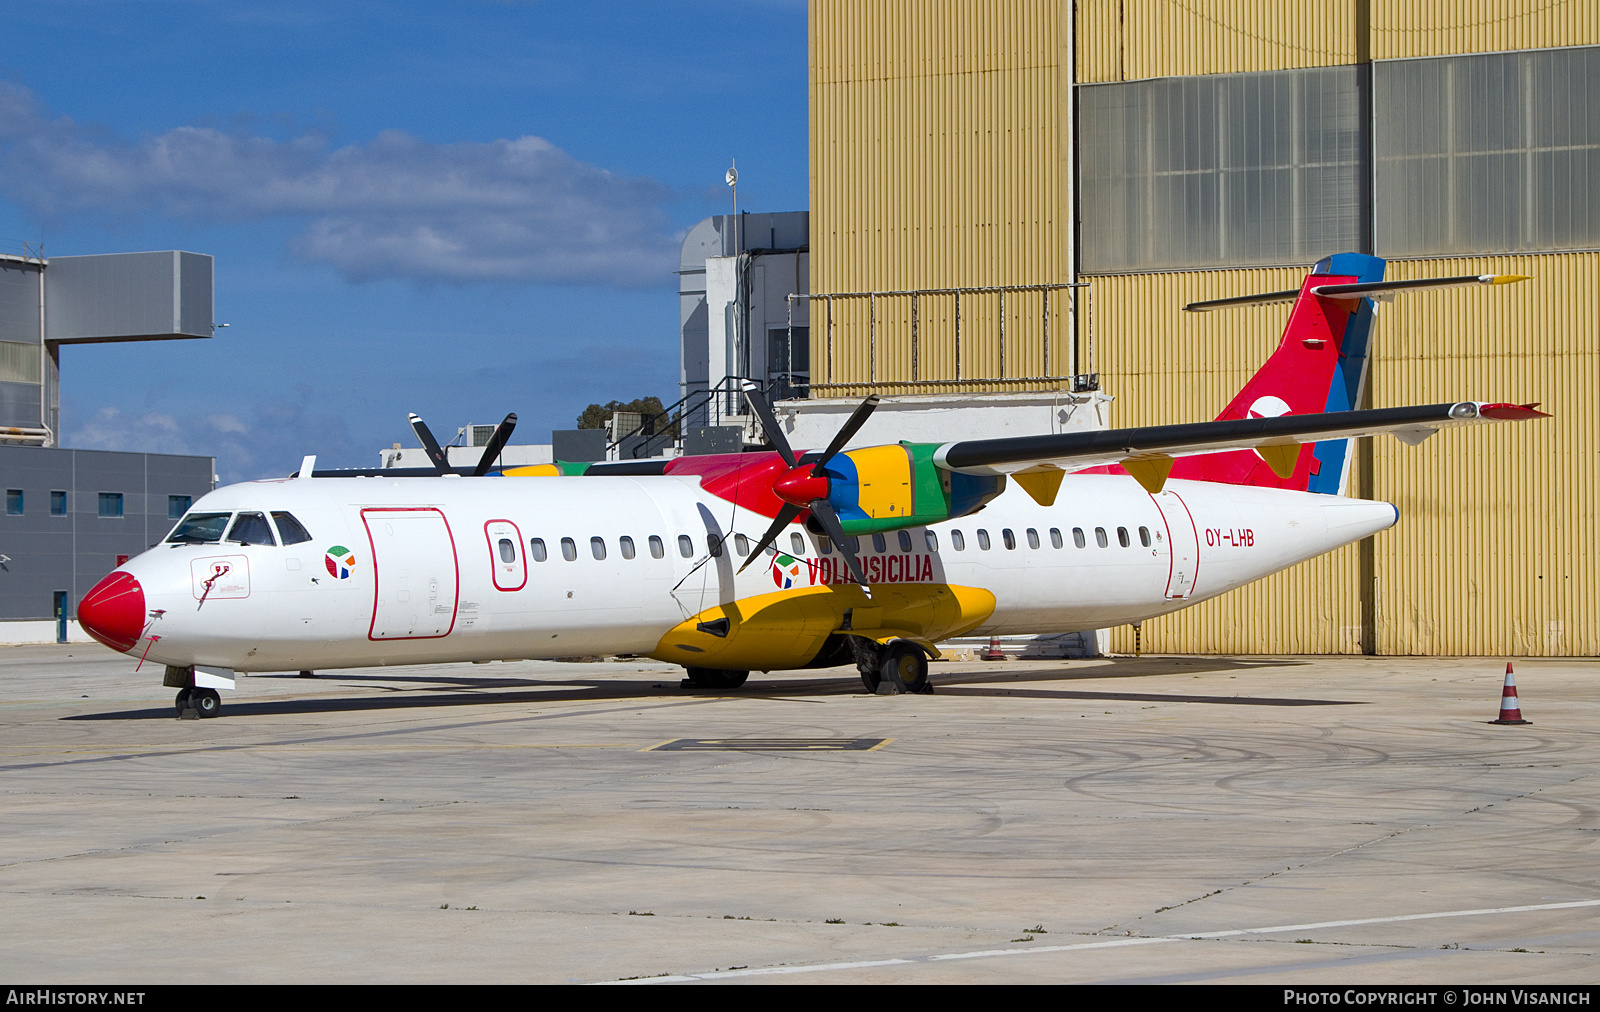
(1269, 406)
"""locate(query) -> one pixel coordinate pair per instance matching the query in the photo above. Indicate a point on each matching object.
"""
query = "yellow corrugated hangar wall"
(941, 155)
(938, 160)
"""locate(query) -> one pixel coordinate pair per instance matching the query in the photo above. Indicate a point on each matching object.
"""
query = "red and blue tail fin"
(1320, 365)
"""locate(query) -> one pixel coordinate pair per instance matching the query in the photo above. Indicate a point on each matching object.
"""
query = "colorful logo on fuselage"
(341, 562)
(786, 571)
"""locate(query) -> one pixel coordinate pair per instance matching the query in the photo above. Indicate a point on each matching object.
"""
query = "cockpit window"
(289, 529)
(199, 529)
(251, 529)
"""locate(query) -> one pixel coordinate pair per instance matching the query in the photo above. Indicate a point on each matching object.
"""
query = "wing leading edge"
(1147, 452)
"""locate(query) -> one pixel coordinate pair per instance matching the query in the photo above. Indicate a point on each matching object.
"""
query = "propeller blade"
(497, 442)
(857, 419)
(430, 446)
(769, 425)
(785, 518)
(822, 509)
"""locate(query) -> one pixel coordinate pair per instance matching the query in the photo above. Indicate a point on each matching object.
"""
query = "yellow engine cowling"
(786, 629)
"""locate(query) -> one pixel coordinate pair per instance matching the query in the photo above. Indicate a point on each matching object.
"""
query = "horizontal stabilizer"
(1422, 284)
(1136, 448)
(1240, 301)
(1355, 291)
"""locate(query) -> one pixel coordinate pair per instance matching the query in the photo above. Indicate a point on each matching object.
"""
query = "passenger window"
(932, 539)
(657, 549)
(625, 544)
(877, 543)
(199, 529)
(508, 551)
(714, 543)
(686, 546)
(825, 546)
(958, 541)
(798, 543)
(1144, 536)
(1100, 537)
(741, 544)
(569, 549)
(772, 549)
(1008, 538)
(290, 531)
(855, 545)
(905, 541)
(1122, 537)
(1033, 538)
(597, 547)
(983, 539)
(251, 529)
(1077, 537)
(536, 548)
(1055, 537)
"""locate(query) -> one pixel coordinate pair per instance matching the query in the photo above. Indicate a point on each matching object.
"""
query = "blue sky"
(457, 209)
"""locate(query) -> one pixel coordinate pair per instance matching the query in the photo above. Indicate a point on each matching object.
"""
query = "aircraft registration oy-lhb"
(772, 560)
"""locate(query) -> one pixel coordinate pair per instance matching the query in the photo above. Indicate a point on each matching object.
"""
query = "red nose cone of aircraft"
(113, 611)
(800, 486)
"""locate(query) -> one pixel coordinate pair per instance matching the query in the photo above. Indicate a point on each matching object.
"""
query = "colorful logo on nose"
(786, 571)
(341, 562)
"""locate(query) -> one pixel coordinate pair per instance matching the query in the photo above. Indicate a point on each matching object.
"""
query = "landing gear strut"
(713, 678)
(204, 702)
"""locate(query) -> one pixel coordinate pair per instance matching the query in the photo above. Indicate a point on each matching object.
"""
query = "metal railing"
(1081, 381)
(714, 400)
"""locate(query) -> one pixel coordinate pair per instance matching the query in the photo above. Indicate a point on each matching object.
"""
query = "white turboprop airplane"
(870, 556)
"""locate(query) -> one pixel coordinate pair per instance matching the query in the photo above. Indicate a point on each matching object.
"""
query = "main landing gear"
(712, 678)
(199, 702)
(892, 668)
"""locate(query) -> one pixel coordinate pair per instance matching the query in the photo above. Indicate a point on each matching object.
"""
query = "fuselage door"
(506, 555)
(1183, 545)
(416, 578)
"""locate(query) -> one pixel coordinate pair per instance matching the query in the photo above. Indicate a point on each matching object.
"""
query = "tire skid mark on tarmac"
(357, 735)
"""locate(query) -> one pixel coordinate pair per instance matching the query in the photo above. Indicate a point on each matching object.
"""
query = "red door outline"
(494, 554)
(455, 605)
(1188, 533)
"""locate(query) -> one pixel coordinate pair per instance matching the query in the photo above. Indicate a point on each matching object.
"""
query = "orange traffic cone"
(994, 653)
(1510, 710)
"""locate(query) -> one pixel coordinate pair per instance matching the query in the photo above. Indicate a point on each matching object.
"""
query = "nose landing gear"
(192, 702)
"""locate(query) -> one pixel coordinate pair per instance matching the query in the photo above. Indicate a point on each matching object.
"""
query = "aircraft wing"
(1148, 451)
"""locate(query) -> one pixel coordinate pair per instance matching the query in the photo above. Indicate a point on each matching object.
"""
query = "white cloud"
(268, 445)
(506, 210)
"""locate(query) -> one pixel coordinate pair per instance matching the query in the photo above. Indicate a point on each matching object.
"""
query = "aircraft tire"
(906, 659)
(206, 702)
(182, 702)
